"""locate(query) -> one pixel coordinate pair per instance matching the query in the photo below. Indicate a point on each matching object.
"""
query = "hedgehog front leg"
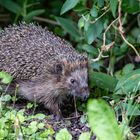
(54, 108)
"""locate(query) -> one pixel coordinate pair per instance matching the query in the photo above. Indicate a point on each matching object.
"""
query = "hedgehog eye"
(72, 81)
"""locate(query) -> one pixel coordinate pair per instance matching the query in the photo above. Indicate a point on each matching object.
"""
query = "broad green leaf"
(89, 49)
(84, 136)
(102, 120)
(129, 83)
(6, 78)
(93, 31)
(63, 134)
(33, 13)
(68, 5)
(130, 6)
(128, 68)
(103, 80)
(11, 6)
(69, 26)
(113, 6)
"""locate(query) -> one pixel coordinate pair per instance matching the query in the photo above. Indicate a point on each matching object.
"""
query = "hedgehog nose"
(85, 93)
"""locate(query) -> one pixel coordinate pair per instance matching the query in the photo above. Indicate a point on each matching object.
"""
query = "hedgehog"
(45, 67)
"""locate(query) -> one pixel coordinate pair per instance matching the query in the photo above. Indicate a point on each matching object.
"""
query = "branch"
(121, 29)
(105, 47)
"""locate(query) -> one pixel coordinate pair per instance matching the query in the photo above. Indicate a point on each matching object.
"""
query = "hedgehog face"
(77, 83)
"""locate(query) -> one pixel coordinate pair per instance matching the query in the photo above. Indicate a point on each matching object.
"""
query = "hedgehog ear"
(59, 68)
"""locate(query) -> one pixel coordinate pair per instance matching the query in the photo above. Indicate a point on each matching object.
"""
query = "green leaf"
(63, 134)
(130, 109)
(130, 6)
(113, 6)
(47, 132)
(84, 136)
(89, 49)
(6, 78)
(6, 98)
(94, 12)
(33, 13)
(29, 105)
(128, 68)
(129, 83)
(69, 26)
(39, 116)
(102, 120)
(41, 125)
(81, 22)
(33, 127)
(68, 5)
(100, 3)
(103, 80)
(21, 118)
(11, 6)
(93, 31)
(2, 134)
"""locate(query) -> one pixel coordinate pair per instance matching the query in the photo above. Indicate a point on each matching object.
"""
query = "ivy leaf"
(113, 6)
(68, 5)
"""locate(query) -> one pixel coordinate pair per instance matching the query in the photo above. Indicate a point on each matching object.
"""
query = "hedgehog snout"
(85, 93)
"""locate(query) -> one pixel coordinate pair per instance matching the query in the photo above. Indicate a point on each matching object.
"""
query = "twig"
(99, 56)
(105, 47)
(70, 118)
(121, 29)
(92, 22)
(46, 20)
(75, 106)
(104, 34)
